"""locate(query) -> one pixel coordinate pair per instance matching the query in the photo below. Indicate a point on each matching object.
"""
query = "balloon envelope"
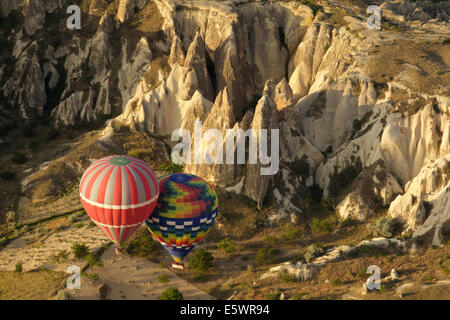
(186, 210)
(119, 193)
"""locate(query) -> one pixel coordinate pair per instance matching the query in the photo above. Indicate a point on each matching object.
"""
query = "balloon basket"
(177, 265)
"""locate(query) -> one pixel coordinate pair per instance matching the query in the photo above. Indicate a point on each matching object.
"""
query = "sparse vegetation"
(140, 244)
(287, 277)
(171, 168)
(94, 260)
(171, 294)
(313, 252)
(80, 250)
(201, 260)
(227, 245)
(264, 256)
(19, 267)
(163, 278)
(297, 296)
(61, 256)
(320, 225)
(91, 276)
(336, 282)
(383, 227)
(273, 295)
(290, 232)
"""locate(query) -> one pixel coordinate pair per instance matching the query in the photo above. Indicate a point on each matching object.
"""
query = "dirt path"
(133, 278)
(33, 254)
(128, 277)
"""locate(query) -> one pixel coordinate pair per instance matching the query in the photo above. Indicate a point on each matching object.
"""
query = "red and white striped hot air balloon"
(119, 193)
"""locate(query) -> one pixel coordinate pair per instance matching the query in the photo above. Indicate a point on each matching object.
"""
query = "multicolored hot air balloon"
(119, 193)
(186, 210)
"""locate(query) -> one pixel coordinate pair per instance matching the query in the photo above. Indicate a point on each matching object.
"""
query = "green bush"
(383, 227)
(290, 232)
(287, 277)
(164, 278)
(171, 168)
(318, 225)
(19, 157)
(135, 153)
(336, 282)
(171, 294)
(11, 217)
(201, 260)
(25, 230)
(7, 175)
(313, 252)
(297, 296)
(3, 241)
(142, 244)
(93, 260)
(272, 295)
(264, 256)
(227, 245)
(80, 250)
(19, 267)
(92, 276)
(362, 273)
(61, 256)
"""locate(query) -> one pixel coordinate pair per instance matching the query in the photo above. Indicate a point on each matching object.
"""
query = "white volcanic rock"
(283, 94)
(220, 118)
(126, 10)
(176, 52)
(100, 56)
(26, 88)
(196, 60)
(75, 109)
(256, 184)
(308, 57)
(34, 12)
(426, 197)
(133, 68)
(375, 187)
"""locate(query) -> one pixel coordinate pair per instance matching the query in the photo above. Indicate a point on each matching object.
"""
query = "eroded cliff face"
(364, 132)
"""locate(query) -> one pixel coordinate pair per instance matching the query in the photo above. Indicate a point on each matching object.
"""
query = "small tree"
(313, 252)
(19, 267)
(264, 256)
(171, 294)
(80, 250)
(227, 245)
(201, 260)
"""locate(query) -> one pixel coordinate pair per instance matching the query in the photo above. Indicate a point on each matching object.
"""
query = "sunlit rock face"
(157, 66)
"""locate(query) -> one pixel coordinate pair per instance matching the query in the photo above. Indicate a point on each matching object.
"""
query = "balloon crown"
(180, 177)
